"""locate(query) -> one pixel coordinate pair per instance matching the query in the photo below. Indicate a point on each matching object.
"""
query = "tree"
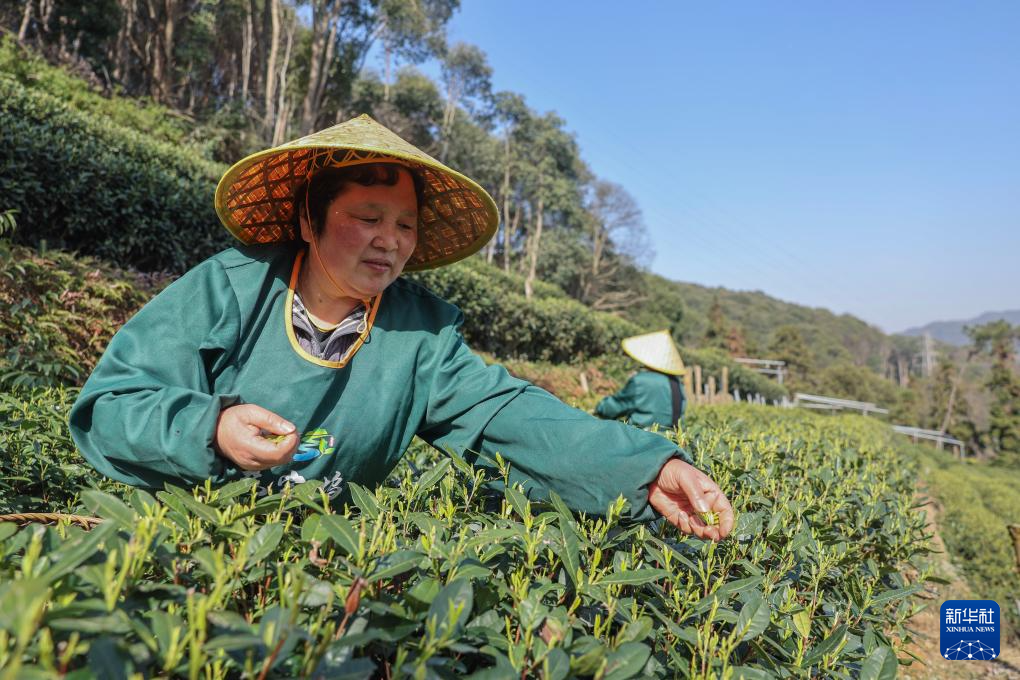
(553, 179)
(788, 345)
(615, 233)
(997, 340)
(467, 77)
(715, 336)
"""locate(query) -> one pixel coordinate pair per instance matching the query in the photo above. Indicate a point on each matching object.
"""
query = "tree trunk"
(26, 19)
(534, 242)
(509, 229)
(449, 114)
(324, 15)
(284, 107)
(269, 120)
(247, 48)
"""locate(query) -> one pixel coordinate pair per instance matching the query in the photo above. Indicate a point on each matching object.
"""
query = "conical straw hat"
(255, 198)
(656, 351)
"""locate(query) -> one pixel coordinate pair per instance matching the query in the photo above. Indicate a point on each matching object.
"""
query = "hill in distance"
(951, 332)
(832, 338)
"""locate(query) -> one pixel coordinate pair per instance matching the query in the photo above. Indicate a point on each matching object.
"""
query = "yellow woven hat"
(656, 351)
(255, 198)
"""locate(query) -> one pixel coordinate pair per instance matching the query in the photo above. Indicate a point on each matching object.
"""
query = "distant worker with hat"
(301, 354)
(655, 396)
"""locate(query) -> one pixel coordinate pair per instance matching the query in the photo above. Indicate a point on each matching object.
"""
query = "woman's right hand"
(239, 437)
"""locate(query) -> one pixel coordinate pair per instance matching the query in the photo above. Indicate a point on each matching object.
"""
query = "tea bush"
(32, 71)
(444, 573)
(85, 183)
(59, 312)
(977, 502)
(500, 320)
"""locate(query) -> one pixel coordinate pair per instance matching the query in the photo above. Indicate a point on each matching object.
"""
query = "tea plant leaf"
(365, 500)
(330, 668)
(627, 661)
(342, 532)
(895, 594)
(70, 557)
(737, 587)
(235, 642)
(635, 577)
(451, 608)
(18, 599)
(880, 665)
(109, 507)
(106, 660)
(518, 501)
(802, 623)
(754, 618)
(190, 504)
(395, 564)
(824, 647)
(635, 631)
(7, 529)
(569, 555)
(232, 490)
(557, 664)
(264, 542)
(431, 477)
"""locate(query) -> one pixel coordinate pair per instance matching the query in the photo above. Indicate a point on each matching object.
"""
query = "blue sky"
(861, 156)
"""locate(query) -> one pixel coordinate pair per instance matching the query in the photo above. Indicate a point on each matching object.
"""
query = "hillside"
(952, 333)
(832, 338)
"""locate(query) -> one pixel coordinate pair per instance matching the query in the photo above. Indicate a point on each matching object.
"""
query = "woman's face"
(369, 235)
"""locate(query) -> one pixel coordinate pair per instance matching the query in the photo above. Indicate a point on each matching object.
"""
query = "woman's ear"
(306, 232)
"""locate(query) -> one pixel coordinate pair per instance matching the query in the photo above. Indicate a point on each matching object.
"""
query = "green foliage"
(977, 502)
(40, 471)
(830, 338)
(440, 573)
(498, 318)
(847, 381)
(33, 72)
(997, 339)
(82, 182)
(59, 313)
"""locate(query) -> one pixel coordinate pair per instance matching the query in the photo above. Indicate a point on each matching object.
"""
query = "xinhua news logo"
(969, 630)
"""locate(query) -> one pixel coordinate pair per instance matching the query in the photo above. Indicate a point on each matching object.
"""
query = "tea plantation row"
(447, 572)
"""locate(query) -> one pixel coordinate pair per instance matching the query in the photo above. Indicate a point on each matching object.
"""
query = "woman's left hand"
(681, 493)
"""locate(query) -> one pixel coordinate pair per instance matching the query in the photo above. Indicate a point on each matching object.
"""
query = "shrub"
(59, 312)
(977, 502)
(439, 573)
(84, 183)
(499, 319)
(40, 471)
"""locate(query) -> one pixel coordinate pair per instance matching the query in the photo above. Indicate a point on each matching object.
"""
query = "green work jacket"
(222, 335)
(645, 400)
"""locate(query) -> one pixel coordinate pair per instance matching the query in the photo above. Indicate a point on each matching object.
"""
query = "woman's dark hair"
(328, 183)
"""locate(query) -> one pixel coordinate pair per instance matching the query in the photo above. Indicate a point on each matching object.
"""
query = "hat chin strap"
(318, 258)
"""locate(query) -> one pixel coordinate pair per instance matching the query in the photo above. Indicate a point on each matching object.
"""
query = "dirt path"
(926, 624)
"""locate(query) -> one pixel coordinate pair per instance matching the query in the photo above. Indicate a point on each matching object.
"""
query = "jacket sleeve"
(479, 410)
(619, 404)
(148, 413)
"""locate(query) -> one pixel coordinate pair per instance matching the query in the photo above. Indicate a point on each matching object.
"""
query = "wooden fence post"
(697, 384)
(725, 388)
(687, 387)
(711, 389)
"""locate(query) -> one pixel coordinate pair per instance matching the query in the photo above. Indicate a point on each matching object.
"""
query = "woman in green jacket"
(655, 396)
(301, 354)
